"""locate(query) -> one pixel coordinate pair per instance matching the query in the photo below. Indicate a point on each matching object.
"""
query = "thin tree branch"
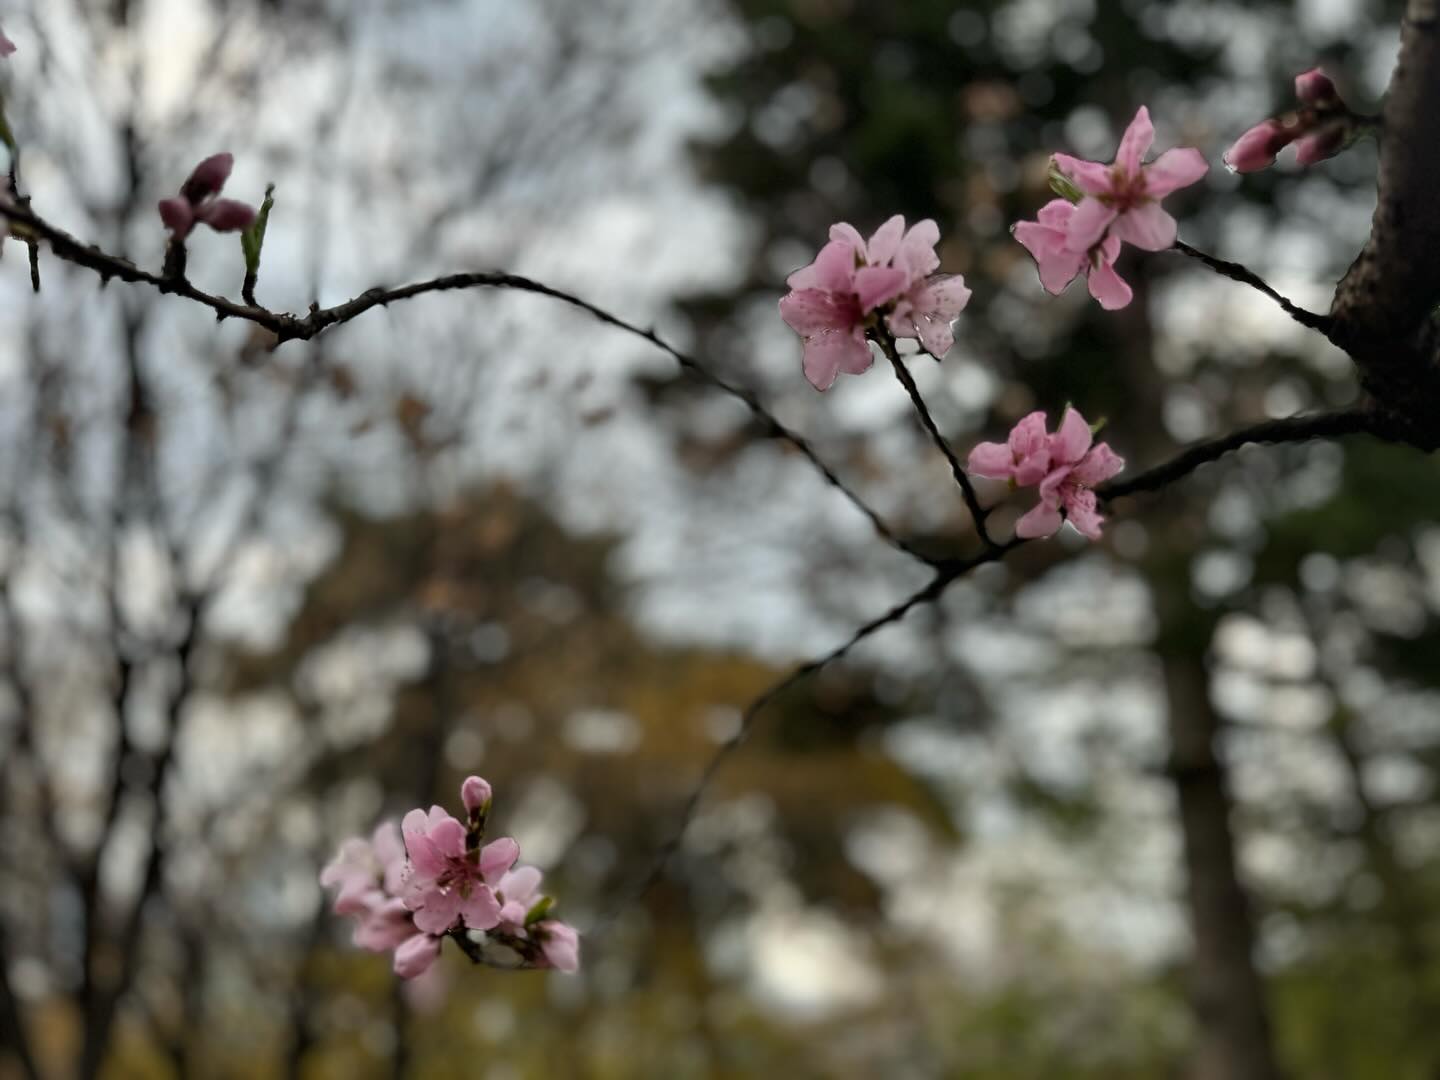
(1290, 430)
(978, 513)
(1235, 272)
(288, 327)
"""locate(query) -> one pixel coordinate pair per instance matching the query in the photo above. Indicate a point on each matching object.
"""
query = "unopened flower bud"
(475, 794)
(1314, 87)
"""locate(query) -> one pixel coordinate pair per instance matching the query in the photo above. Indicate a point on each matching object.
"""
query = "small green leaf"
(540, 910)
(1062, 185)
(253, 238)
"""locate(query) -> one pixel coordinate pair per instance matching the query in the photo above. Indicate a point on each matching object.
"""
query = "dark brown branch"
(1292, 429)
(1235, 272)
(287, 327)
(978, 513)
(1394, 285)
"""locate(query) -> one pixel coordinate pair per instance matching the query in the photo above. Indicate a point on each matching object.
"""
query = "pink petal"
(226, 215)
(1069, 443)
(1057, 266)
(6, 45)
(415, 956)
(810, 311)
(448, 836)
(426, 862)
(917, 251)
(480, 910)
(1080, 511)
(886, 241)
(436, 910)
(991, 459)
(497, 857)
(1109, 287)
(512, 913)
(520, 884)
(386, 924)
(876, 285)
(1176, 168)
(1088, 225)
(830, 353)
(1135, 142)
(177, 215)
(1057, 213)
(1030, 447)
(832, 271)
(1147, 226)
(845, 233)
(207, 178)
(936, 336)
(1099, 465)
(1091, 177)
(1042, 521)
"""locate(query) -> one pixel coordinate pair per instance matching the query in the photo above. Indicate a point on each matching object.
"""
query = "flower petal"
(1069, 444)
(886, 241)
(1088, 225)
(497, 857)
(1135, 142)
(1148, 226)
(1109, 287)
(809, 311)
(415, 956)
(1080, 511)
(845, 233)
(1099, 465)
(1176, 168)
(917, 251)
(832, 271)
(1040, 522)
(991, 459)
(829, 353)
(876, 285)
(480, 910)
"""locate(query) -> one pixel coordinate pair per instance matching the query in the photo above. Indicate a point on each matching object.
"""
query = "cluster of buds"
(199, 201)
(1320, 128)
(1064, 465)
(853, 285)
(409, 888)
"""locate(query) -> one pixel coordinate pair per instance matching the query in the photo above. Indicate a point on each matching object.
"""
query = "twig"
(978, 513)
(288, 327)
(1292, 429)
(1235, 272)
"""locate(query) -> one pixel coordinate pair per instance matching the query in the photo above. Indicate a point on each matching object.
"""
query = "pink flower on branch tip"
(853, 283)
(475, 794)
(199, 201)
(559, 945)
(1123, 199)
(1065, 465)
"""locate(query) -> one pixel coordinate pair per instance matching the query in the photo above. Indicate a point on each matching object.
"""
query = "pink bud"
(208, 177)
(6, 45)
(1325, 143)
(1314, 87)
(475, 794)
(415, 956)
(560, 945)
(1256, 149)
(225, 215)
(177, 215)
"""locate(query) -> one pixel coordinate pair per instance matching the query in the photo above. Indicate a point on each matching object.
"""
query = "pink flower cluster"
(853, 284)
(408, 888)
(1320, 128)
(1065, 465)
(1116, 204)
(199, 201)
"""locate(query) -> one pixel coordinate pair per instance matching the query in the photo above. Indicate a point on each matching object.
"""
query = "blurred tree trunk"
(1232, 1038)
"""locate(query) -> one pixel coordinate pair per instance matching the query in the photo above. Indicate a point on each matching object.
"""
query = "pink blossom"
(835, 300)
(383, 923)
(560, 945)
(6, 45)
(416, 955)
(1123, 198)
(364, 867)
(1046, 239)
(1065, 465)
(447, 881)
(198, 201)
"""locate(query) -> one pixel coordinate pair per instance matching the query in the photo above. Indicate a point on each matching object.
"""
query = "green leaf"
(253, 238)
(1062, 185)
(540, 910)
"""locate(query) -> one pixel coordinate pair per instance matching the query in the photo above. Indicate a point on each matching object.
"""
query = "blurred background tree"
(1161, 805)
